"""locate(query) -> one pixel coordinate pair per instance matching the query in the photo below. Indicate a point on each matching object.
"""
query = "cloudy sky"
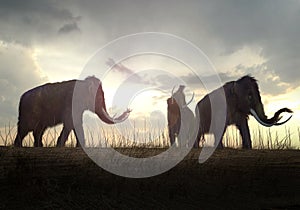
(51, 40)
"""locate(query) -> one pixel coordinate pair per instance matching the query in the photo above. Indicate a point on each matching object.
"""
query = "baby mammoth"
(180, 118)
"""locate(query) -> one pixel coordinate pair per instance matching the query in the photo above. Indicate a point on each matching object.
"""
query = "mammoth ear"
(93, 83)
(93, 87)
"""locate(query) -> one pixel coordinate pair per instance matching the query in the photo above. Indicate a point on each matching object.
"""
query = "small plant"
(8, 134)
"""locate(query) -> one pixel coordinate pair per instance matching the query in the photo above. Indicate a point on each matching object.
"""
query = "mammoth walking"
(54, 103)
(180, 117)
(242, 99)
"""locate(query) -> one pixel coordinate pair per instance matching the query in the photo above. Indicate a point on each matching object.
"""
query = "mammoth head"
(247, 94)
(96, 102)
(248, 101)
(179, 97)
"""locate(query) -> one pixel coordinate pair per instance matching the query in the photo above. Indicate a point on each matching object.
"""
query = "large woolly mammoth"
(180, 117)
(242, 98)
(54, 103)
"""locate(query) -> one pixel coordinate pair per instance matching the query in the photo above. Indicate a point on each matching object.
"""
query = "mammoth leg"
(218, 130)
(245, 133)
(79, 135)
(38, 134)
(218, 139)
(22, 132)
(197, 129)
(200, 136)
(172, 137)
(197, 140)
(63, 136)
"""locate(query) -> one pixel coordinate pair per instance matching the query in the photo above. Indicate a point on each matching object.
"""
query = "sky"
(52, 40)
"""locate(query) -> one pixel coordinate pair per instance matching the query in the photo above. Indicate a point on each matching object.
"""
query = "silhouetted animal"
(55, 103)
(242, 98)
(180, 117)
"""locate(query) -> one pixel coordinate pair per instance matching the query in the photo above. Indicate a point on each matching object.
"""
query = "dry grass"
(268, 139)
(262, 138)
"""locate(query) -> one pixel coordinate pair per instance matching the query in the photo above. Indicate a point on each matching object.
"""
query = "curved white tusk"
(280, 123)
(173, 90)
(258, 119)
(191, 99)
(186, 105)
(172, 94)
(116, 120)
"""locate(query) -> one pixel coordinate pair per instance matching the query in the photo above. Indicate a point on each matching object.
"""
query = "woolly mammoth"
(55, 103)
(180, 117)
(242, 98)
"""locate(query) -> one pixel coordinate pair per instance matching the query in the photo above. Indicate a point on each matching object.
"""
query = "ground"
(65, 178)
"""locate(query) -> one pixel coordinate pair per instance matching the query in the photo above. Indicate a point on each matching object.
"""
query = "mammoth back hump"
(51, 99)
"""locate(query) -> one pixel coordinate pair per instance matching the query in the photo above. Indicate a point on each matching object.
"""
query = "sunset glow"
(58, 46)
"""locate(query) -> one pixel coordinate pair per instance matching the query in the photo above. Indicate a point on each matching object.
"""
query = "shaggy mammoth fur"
(55, 103)
(242, 99)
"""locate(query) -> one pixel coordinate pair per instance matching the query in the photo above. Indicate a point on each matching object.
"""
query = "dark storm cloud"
(195, 80)
(69, 27)
(269, 83)
(27, 22)
(153, 78)
(119, 67)
(273, 25)
(214, 26)
(219, 28)
(222, 26)
(15, 78)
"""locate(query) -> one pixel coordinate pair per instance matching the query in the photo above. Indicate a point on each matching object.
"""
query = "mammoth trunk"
(104, 116)
(260, 116)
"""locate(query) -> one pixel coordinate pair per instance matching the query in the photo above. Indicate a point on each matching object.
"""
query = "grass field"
(154, 137)
(65, 178)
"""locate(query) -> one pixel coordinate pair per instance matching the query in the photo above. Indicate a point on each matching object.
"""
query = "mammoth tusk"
(119, 119)
(279, 112)
(266, 124)
(173, 90)
(185, 105)
(258, 119)
(280, 123)
(172, 94)
(191, 99)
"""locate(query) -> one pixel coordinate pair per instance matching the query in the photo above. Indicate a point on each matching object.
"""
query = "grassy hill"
(65, 178)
